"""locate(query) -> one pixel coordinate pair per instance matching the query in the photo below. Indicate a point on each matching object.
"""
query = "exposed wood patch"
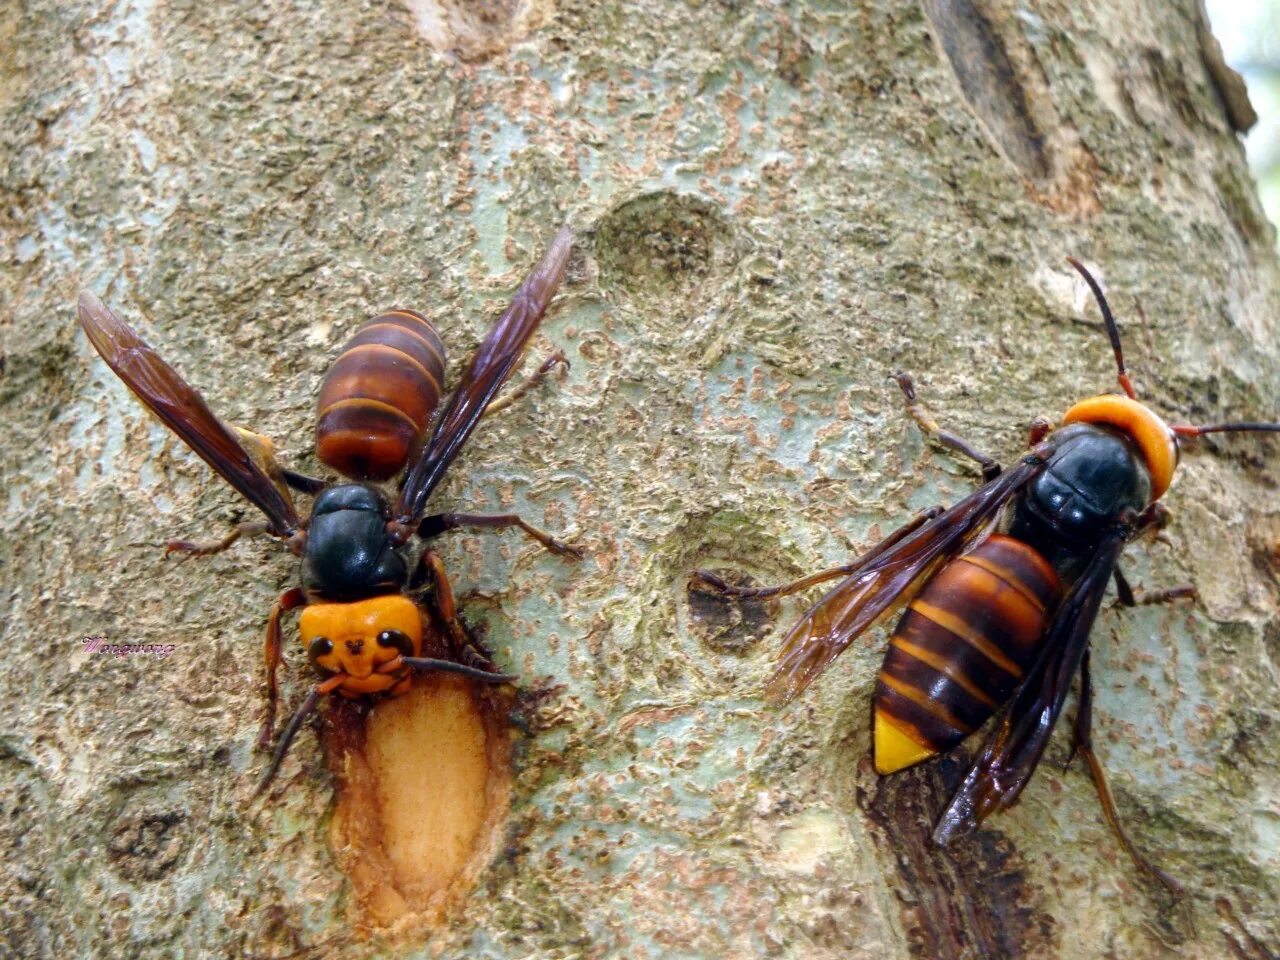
(423, 788)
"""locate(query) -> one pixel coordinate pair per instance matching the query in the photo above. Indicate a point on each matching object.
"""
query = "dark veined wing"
(183, 411)
(493, 363)
(889, 579)
(1015, 747)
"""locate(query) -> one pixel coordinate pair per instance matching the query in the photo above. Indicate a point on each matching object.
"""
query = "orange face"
(1152, 435)
(355, 639)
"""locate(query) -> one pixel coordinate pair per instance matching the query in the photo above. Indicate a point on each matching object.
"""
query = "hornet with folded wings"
(1000, 591)
(361, 629)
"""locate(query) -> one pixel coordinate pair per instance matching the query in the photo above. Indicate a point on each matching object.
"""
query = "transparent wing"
(183, 411)
(493, 363)
(1014, 748)
(875, 590)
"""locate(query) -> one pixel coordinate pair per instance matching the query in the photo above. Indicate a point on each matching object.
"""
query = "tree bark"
(778, 206)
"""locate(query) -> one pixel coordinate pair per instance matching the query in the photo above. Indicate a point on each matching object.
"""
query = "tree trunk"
(777, 207)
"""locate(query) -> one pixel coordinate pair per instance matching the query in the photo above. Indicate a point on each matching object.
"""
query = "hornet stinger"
(1000, 592)
(367, 613)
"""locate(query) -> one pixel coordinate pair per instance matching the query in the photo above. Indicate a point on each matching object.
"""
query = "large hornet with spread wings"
(361, 630)
(1001, 592)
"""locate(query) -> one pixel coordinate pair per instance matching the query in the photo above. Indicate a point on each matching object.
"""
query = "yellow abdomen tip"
(895, 749)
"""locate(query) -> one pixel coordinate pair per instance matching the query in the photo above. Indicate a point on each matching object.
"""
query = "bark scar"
(989, 82)
(1227, 83)
(1007, 91)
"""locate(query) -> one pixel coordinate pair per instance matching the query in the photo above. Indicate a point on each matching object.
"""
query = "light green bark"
(778, 206)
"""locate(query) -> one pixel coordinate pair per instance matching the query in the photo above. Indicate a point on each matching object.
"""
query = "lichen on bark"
(778, 206)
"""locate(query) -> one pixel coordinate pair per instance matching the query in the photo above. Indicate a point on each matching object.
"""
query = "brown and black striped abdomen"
(378, 396)
(960, 650)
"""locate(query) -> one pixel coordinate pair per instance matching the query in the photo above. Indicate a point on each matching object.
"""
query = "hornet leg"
(204, 548)
(538, 376)
(1125, 596)
(273, 648)
(1151, 521)
(435, 525)
(1084, 745)
(804, 583)
(261, 451)
(295, 724)
(1039, 429)
(920, 414)
(431, 566)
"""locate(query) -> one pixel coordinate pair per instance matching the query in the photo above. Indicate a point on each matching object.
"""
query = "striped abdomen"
(379, 395)
(960, 650)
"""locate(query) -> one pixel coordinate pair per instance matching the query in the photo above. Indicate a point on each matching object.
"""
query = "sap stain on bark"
(714, 542)
(972, 898)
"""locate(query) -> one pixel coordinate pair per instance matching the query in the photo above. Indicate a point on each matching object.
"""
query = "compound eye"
(394, 638)
(319, 647)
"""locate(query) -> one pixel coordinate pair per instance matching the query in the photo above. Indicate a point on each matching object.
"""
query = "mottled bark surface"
(778, 206)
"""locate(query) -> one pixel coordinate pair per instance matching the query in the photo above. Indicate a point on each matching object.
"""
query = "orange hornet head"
(355, 639)
(1156, 440)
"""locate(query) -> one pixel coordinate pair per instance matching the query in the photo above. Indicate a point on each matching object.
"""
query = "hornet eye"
(394, 638)
(319, 647)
